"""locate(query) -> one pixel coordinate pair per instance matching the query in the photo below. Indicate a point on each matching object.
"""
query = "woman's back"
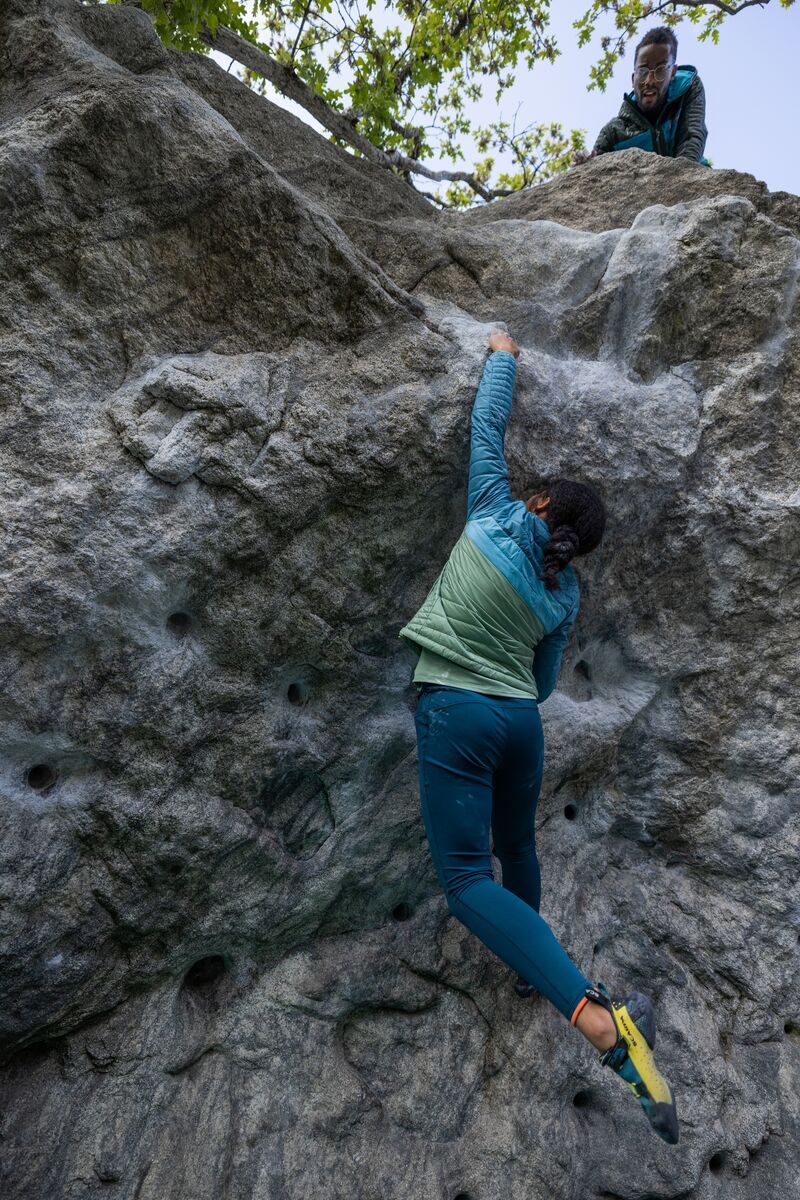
(489, 622)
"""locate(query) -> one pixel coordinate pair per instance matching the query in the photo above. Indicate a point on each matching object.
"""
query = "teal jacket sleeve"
(547, 658)
(488, 473)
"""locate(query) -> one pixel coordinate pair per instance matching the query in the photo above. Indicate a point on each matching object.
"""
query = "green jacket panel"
(432, 668)
(475, 618)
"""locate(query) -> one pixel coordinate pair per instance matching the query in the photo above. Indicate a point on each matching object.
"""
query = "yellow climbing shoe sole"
(641, 1056)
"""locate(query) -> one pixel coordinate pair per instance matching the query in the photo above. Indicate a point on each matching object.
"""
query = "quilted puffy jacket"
(503, 550)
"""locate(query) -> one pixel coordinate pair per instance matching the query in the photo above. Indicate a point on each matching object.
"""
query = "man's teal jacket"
(679, 130)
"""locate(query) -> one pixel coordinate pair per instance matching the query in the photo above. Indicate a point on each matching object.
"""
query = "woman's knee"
(455, 890)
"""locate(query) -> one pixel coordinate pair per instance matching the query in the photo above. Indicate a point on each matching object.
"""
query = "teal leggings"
(480, 765)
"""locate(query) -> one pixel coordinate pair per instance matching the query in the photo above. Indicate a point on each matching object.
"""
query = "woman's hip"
(457, 726)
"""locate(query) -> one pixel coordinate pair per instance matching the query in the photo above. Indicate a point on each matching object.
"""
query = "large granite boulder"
(237, 370)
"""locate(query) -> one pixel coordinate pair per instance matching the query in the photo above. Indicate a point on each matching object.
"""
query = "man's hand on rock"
(503, 341)
(582, 156)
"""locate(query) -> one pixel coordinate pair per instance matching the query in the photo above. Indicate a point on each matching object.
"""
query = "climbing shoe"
(631, 1057)
(523, 989)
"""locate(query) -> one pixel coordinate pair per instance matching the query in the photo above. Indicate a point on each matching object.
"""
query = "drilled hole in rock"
(463, 1196)
(582, 668)
(582, 1099)
(204, 971)
(297, 693)
(40, 777)
(570, 811)
(788, 1027)
(716, 1162)
(402, 911)
(179, 623)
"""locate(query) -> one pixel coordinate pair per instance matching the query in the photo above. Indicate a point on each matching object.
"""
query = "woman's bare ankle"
(597, 1026)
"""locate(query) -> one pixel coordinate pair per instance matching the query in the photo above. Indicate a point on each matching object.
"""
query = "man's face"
(652, 75)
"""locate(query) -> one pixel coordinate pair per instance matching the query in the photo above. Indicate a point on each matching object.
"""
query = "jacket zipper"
(655, 130)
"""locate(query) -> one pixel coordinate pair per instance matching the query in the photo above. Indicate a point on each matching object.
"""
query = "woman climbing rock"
(491, 634)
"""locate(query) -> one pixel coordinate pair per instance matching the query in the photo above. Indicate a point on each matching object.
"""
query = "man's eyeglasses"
(659, 73)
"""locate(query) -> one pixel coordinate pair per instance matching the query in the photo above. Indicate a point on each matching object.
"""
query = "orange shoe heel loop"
(584, 1000)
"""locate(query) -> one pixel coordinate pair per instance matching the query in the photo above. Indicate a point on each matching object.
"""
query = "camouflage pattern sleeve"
(691, 135)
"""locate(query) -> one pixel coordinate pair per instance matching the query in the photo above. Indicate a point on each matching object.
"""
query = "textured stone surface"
(237, 368)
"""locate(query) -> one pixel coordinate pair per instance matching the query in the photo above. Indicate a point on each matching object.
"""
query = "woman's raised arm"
(488, 472)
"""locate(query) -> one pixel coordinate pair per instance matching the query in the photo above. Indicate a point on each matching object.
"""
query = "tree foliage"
(396, 80)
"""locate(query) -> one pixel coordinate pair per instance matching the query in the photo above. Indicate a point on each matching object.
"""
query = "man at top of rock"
(666, 110)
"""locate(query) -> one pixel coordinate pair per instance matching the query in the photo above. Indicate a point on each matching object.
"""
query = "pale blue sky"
(747, 77)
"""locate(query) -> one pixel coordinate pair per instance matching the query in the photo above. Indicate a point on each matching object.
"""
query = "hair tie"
(565, 540)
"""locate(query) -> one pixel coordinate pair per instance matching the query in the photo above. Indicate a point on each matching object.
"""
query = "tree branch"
(456, 29)
(730, 9)
(290, 84)
(300, 31)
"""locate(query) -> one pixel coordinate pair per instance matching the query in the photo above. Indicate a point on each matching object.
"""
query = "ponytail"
(563, 545)
(577, 518)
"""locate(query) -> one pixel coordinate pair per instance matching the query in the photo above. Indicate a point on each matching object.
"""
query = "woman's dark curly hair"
(577, 518)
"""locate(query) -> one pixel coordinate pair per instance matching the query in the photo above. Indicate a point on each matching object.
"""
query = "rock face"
(237, 370)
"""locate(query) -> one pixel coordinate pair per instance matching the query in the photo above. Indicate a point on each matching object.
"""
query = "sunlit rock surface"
(236, 370)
